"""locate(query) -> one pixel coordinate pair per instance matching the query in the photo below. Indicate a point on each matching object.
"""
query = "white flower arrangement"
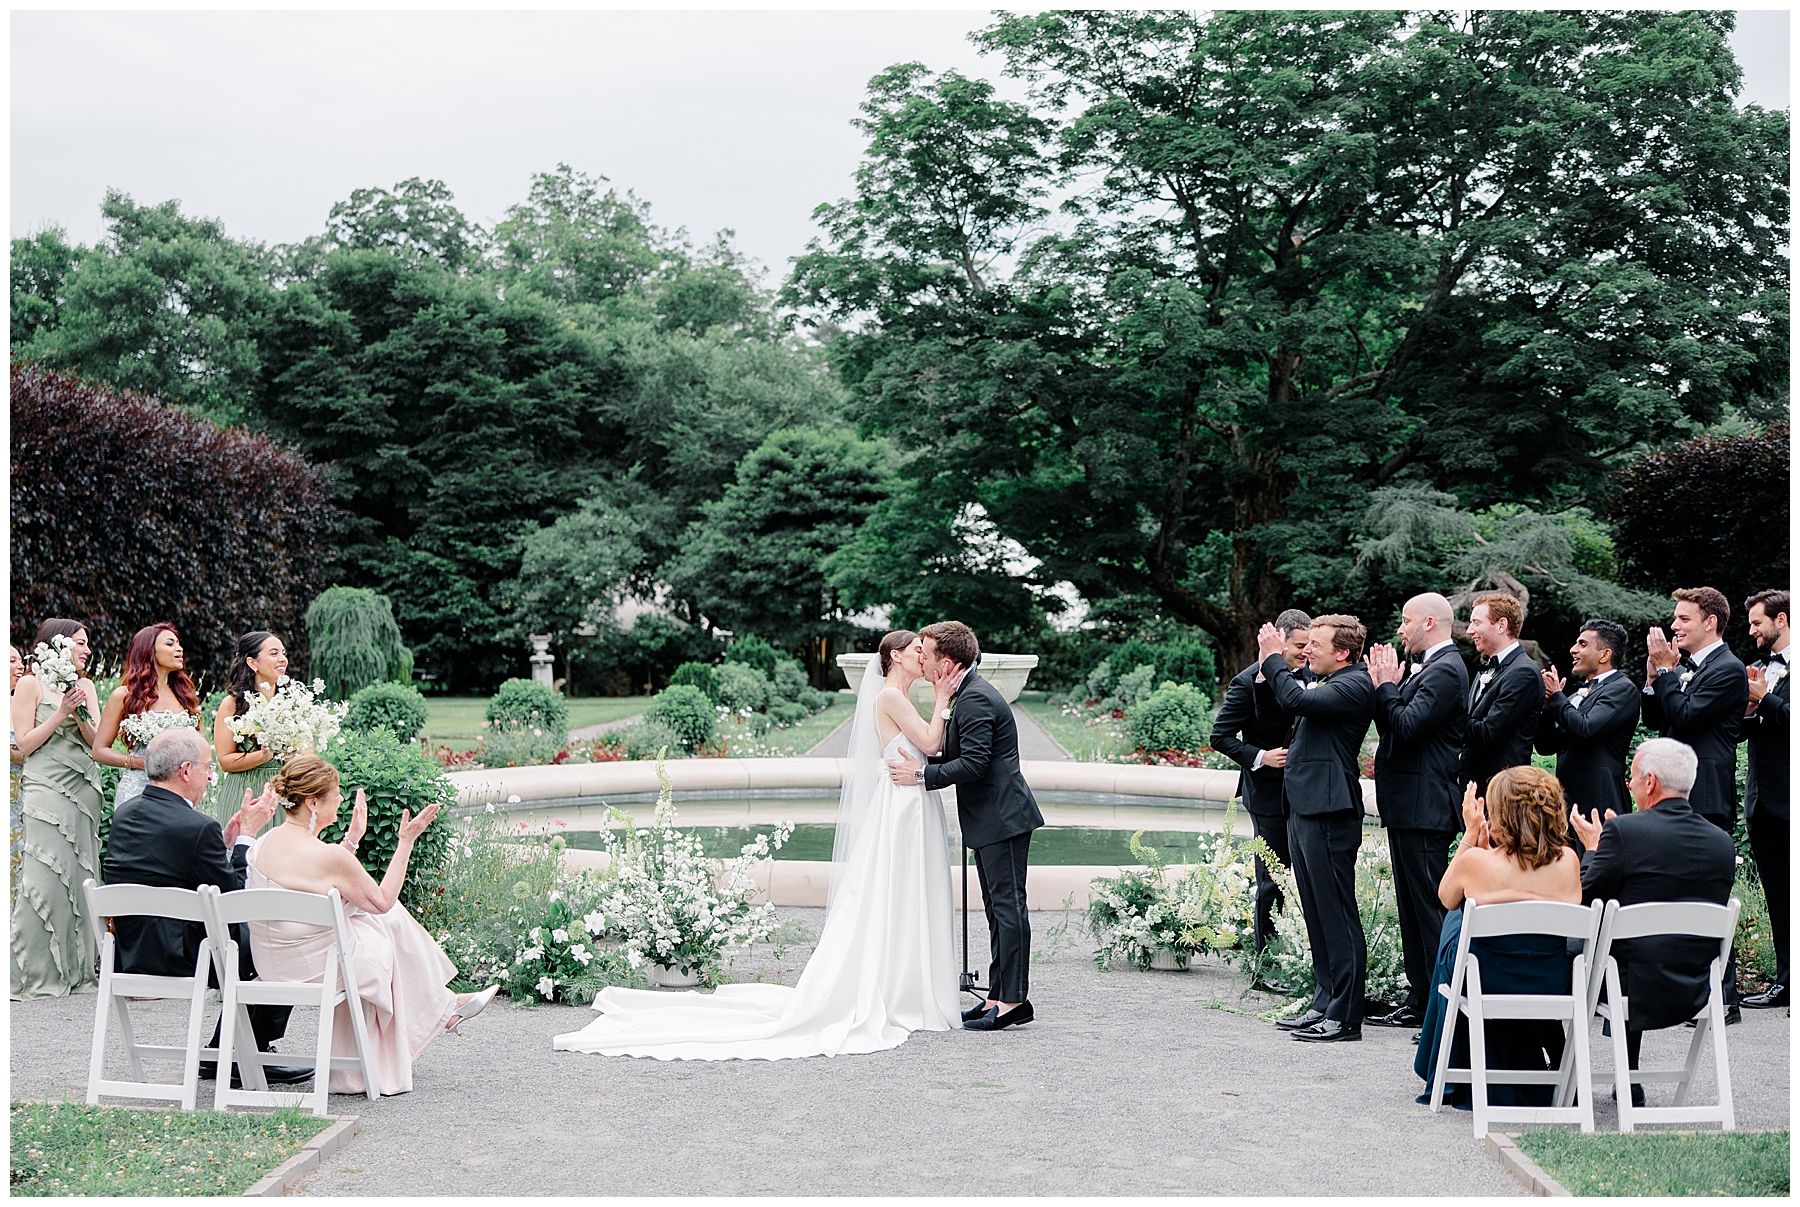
(294, 719)
(139, 728)
(667, 906)
(1687, 677)
(53, 664)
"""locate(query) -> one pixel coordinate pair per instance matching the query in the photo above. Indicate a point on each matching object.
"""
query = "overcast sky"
(264, 119)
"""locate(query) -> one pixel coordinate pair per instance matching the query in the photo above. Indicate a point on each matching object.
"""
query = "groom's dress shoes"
(994, 1020)
(1328, 1031)
(1775, 995)
(1300, 1020)
(1405, 1016)
(974, 1012)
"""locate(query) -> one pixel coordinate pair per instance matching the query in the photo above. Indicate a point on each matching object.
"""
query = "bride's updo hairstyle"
(899, 639)
(306, 777)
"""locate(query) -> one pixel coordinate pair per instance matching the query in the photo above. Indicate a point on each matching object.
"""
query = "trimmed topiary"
(702, 675)
(789, 680)
(526, 704)
(397, 775)
(394, 706)
(754, 651)
(687, 711)
(743, 688)
(651, 738)
(1173, 717)
(785, 712)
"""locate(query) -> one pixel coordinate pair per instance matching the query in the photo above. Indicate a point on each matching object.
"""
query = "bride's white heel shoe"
(470, 1009)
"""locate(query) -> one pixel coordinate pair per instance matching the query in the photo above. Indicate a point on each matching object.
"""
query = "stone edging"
(1529, 1173)
(275, 1183)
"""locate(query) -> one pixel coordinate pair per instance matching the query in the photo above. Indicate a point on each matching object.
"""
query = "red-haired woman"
(155, 681)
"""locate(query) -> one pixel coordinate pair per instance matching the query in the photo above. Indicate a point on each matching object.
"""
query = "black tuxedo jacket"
(1239, 735)
(1665, 853)
(1330, 719)
(1422, 722)
(160, 840)
(981, 758)
(1766, 782)
(1503, 722)
(1591, 742)
(1707, 716)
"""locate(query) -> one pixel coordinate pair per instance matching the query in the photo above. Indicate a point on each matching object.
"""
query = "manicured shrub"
(785, 712)
(702, 675)
(1173, 717)
(653, 738)
(117, 499)
(528, 704)
(813, 700)
(789, 679)
(355, 641)
(754, 651)
(397, 775)
(742, 686)
(688, 712)
(395, 706)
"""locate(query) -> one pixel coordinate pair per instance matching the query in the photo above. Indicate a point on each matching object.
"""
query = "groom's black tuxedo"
(997, 814)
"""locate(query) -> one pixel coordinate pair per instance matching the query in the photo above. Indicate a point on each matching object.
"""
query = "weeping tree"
(355, 641)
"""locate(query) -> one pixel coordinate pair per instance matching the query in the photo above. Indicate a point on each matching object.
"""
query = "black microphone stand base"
(966, 983)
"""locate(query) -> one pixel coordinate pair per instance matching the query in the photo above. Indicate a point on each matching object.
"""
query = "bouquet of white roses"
(292, 720)
(54, 666)
(141, 727)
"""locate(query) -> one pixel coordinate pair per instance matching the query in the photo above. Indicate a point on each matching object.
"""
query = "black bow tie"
(1689, 663)
(1489, 664)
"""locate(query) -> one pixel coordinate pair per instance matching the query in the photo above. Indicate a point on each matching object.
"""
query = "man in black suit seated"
(160, 839)
(1260, 748)
(1321, 788)
(1590, 730)
(1766, 783)
(1696, 691)
(1663, 852)
(1421, 721)
(1507, 695)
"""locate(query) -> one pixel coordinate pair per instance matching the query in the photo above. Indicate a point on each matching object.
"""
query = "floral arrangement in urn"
(1162, 917)
(666, 906)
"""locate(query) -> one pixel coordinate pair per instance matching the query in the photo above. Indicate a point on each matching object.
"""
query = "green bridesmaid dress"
(53, 950)
(231, 789)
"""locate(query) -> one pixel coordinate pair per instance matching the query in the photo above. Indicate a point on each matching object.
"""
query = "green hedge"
(398, 776)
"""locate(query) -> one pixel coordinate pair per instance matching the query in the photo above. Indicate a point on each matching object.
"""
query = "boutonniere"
(1416, 667)
(1776, 673)
(1687, 677)
(1485, 677)
(1582, 694)
(947, 710)
(1315, 683)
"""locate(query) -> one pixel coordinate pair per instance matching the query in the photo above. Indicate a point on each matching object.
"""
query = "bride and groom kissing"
(885, 962)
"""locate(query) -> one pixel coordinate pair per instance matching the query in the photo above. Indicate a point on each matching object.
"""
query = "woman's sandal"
(469, 1009)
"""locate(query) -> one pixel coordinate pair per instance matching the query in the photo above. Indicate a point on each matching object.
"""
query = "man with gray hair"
(159, 838)
(1663, 852)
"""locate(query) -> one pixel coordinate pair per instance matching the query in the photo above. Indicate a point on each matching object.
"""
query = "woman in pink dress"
(401, 972)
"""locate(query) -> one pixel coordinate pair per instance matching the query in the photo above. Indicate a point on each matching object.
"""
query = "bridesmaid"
(52, 941)
(259, 661)
(15, 669)
(155, 680)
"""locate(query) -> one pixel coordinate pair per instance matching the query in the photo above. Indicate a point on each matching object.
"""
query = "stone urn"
(1167, 959)
(542, 660)
(661, 976)
(1007, 672)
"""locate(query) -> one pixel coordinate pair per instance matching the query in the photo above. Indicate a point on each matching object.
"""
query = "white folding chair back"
(337, 984)
(118, 988)
(1699, 919)
(1465, 997)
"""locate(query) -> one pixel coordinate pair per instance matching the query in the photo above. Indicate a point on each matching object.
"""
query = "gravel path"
(1129, 1083)
(588, 733)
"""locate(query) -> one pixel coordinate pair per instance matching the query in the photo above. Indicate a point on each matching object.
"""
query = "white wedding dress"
(885, 964)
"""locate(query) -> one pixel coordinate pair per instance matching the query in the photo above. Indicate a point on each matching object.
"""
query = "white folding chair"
(282, 905)
(118, 988)
(1466, 998)
(1700, 919)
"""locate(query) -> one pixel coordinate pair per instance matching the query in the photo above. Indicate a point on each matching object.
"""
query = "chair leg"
(228, 1024)
(319, 1098)
(1721, 1058)
(1477, 1052)
(123, 1010)
(359, 1030)
(1618, 1007)
(1702, 1026)
(97, 1059)
(1584, 1068)
(190, 1063)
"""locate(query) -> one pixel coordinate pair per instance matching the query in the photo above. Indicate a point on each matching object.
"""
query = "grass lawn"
(799, 739)
(1663, 1163)
(1085, 743)
(67, 1148)
(461, 716)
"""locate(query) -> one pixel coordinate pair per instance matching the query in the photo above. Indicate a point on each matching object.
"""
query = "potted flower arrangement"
(1158, 917)
(666, 907)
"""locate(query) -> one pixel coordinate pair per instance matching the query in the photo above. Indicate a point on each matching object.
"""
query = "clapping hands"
(1663, 655)
(1474, 810)
(1553, 682)
(410, 827)
(1268, 641)
(1588, 831)
(1384, 664)
(359, 822)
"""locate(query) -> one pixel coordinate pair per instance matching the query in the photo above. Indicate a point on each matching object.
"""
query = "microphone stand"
(967, 983)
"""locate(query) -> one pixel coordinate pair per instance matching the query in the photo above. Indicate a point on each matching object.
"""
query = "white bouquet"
(54, 666)
(294, 719)
(141, 727)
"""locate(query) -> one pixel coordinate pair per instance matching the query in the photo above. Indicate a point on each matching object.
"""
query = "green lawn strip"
(1662, 1163)
(461, 716)
(68, 1148)
(1074, 735)
(800, 738)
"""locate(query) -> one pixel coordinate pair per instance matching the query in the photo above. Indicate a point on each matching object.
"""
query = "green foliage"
(784, 712)
(524, 703)
(1663, 1164)
(67, 1148)
(754, 651)
(621, 662)
(397, 776)
(703, 675)
(394, 706)
(1755, 940)
(653, 738)
(688, 712)
(743, 688)
(355, 641)
(572, 572)
(1173, 717)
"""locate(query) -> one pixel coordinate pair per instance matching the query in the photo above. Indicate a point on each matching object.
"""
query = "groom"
(994, 808)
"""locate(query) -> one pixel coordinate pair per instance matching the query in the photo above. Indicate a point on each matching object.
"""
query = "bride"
(885, 962)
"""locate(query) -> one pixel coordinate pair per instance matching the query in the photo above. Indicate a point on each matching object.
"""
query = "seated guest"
(1517, 851)
(158, 838)
(401, 972)
(1663, 852)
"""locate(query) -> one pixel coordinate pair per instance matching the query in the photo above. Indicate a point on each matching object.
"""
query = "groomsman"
(1590, 730)
(1324, 802)
(1421, 721)
(1766, 785)
(1507, 696)
(1260, 748)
